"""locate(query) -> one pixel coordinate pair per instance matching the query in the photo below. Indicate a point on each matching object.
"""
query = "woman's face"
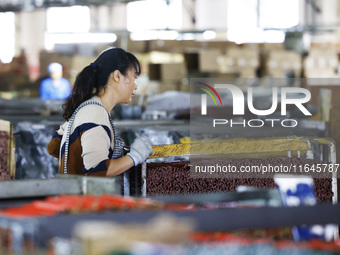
(128, 85)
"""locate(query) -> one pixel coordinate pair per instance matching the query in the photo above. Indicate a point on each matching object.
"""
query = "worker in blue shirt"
(55, 87)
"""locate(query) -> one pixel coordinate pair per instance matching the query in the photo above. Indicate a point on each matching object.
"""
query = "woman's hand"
(140, 150)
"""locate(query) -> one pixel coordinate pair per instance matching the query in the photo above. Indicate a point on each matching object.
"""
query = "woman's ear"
(116, 76)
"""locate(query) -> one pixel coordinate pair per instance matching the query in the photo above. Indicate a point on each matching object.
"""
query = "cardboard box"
(320, 73)
(187, 46)
(137, 46)
(273, 46)
(208, 60)
(162, 45)
(248, 73)
(240, 61)
(184, 87)
(191, 61)
(169, 86)
(219, 45)
(168, 71)
(154, 72)
(7, 151)
(321, 63)
(280, 62)
(159, 57)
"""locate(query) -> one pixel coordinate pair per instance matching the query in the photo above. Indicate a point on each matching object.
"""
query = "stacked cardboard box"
(14, 75)
(169, 86)
(282, 62)
(169, 75)
(191, 62)
(157, 57)
(167, 71)
(321, 63)
(164, 70)
(7, 160)
(18, 66)
(208, 60)
(243, 61)
(268, 47)
(137, 46)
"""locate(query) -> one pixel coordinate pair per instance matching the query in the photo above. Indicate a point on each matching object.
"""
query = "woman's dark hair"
(94, 77)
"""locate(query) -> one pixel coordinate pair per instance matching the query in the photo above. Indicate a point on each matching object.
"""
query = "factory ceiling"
(30, 5)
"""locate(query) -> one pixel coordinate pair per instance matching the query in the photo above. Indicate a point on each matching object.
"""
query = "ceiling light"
(75, 38)
(209, 35)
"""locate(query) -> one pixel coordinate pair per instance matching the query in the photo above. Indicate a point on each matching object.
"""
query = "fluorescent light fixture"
(7, 33)
(168, 35)
(145, 35)
(75, 38)
(245, 25)
(209, 35)
(73, 19)
(187, 36)
(154, 14)
(273, 36)
(255, 35)
(154, 35)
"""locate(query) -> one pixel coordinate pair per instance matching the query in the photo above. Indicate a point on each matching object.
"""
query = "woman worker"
(86, 143)
(55, 87)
